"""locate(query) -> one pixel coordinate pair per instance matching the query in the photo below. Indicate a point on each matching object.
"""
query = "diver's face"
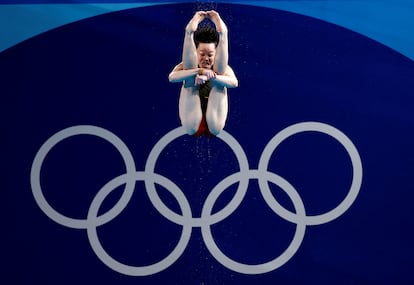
(206, 53)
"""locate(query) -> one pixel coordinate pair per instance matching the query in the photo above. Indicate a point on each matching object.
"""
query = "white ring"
(281, 259)
(110, 261)
(54, 140)
(349, 147)
(164, 210)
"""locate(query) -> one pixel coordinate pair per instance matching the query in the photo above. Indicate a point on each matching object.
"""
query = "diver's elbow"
(235, 83)
(171, 77)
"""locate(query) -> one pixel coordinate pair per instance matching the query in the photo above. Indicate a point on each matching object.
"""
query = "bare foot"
(218, 22)
(198, 17)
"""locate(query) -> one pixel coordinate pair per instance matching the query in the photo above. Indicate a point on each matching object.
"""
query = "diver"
(205, 74)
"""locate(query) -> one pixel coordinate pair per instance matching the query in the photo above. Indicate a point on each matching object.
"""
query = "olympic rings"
(186, 219)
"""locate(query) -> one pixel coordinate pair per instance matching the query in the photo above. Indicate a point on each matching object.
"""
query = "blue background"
(111, 71)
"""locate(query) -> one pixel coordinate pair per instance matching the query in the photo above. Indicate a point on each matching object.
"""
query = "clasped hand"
(202, 78)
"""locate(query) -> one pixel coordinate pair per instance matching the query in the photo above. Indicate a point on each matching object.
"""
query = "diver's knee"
(190, 127)
(215, 127)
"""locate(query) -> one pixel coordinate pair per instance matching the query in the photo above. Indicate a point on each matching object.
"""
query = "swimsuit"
(204, 93)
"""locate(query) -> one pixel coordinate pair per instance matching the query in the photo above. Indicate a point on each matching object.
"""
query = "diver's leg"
(189, 103)
(189, 109)
(217, 109)
(189, 55)
(222, 51)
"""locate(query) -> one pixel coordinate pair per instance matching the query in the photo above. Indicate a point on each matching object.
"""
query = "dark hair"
(206, 35)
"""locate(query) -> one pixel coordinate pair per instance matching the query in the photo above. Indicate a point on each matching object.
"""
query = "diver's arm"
(228, 79)
(179, 74)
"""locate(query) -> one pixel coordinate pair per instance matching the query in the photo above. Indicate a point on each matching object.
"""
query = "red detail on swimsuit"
(203, 128)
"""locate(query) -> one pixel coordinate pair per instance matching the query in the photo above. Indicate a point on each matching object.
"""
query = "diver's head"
(206, 40)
